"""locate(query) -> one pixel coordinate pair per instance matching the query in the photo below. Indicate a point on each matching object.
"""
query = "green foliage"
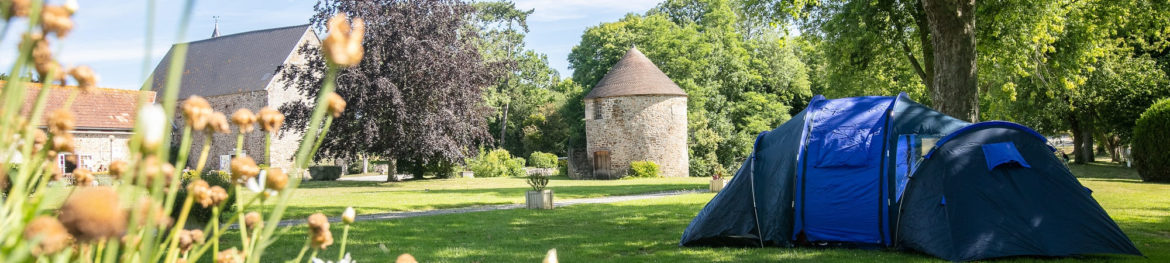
(198, 213)
(1151, 145)
(325, 172)
(644, 169)
(542, 160)
(537, 181)
(496, 163)
(720, 64)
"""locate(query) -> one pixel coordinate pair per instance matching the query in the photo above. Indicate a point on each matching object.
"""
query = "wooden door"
(601, 165)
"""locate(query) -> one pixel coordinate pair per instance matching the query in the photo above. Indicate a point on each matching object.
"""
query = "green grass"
(378, 197)
(648, 230)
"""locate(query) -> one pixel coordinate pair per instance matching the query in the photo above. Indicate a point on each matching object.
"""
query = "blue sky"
(110, 35)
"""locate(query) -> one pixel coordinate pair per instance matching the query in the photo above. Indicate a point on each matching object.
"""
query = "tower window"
(597, 110)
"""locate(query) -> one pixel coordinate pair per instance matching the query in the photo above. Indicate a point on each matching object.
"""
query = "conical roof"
(634, 75)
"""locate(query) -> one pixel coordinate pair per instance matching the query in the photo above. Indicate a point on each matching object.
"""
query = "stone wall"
(96, 149)
(637, 128)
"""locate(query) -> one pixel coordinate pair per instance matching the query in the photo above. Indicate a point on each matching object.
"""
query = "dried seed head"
(197, 112)
(42, 57)
(119, 168)
(348, 216)
(83, 177)
(61, 121)
(243, 168)
(63, 142)
(253, 221)
(18, 8)
(52, 234)
(319, 234)
(270, 119)
(156, 171)
(86, 78)
(336, 104)
(200, 191)
(218, 195)
(229, 256)
(343, 46)
(197, 235)
(244, 119)
(276, 179)
(147, 209)
(218, 122)
(93, 213)
(56, 19)
(39, 139)
(153, 120)
(189, 238)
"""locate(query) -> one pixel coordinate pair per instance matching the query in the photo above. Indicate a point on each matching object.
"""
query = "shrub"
(496, 163)
(562, 167)
(1151, 146)
(644, 169)
(537, 181)
(542, 160)
(325, 172)
(198, 213)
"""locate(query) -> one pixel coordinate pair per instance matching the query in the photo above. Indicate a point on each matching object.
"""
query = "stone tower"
(636, 113)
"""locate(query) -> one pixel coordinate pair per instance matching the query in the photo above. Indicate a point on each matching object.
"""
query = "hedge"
(1151, 145)
(644, 169)
(496, 163)
(542, 160)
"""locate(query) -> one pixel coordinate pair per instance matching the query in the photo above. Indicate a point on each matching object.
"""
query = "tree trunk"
(952, 34)
(504, 123)
(1081, 138)
(365, 163)
(1113, 145)
(391, 169)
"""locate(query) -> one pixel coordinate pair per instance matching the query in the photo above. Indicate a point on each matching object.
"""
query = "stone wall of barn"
(96, 149)
(639, 128)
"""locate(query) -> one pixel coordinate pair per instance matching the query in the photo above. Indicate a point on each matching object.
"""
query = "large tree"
(417, 95)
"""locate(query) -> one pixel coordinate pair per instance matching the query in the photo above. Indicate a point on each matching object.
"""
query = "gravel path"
(596, 200)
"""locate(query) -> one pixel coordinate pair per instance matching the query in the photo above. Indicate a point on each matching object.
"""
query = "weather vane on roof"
(215, 32)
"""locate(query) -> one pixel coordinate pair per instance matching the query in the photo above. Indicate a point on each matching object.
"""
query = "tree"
(417, 94)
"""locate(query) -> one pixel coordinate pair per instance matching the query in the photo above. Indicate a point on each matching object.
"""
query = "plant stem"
(203, 156)
(344, 237)
(239, 212)
(314, 254)
(174, 243)
(303, 249)
(324, 129)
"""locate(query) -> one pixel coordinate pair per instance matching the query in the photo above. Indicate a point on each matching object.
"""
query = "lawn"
(648, 230)
(380, 197)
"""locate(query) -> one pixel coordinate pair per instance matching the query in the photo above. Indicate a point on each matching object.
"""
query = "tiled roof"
(100, 109)
(634, 74)
(232, 63)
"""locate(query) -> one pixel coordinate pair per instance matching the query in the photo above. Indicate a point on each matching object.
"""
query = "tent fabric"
(1002, 153)
(890, 171)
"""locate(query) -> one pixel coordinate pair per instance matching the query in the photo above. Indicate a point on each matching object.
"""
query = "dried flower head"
(148, 210)
(93, 213)
(152, 118)
(118, 168)
(219, 123)
(405, 258)
(243, 168)
(218, 195)
(18, 8)
(39, 139)
(270, 119)
(156, 171)
(197, 112)
(276, 179)
(52, 234)
(253, 221)
(86, 78)
(56, 19)
(61, 121)
(244, 119)
(42, 57)
(348, 216)
(63, 142)
(319, 234)
(189, 238)
(336, 104)
(231, 255)
(343, 46)
(83, 177)
(131, 241)
(200, 191)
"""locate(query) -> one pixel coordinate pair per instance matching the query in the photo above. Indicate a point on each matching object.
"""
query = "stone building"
(636, 113)
(104, 118)
(242, 70)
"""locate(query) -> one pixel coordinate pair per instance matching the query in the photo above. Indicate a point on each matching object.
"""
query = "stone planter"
(467, 174)
(542, 199)
(718, 184)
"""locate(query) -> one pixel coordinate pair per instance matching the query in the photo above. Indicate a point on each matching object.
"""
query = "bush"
(198, 213)
(496, 163)
(563, 167)
(325, 172)
(644, 169)
(1151, 146)
(542, 160)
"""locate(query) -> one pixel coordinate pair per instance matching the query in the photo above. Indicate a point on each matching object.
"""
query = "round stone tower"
(636, 113)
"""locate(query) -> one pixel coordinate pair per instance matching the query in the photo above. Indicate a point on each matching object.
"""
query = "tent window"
(1004, 153)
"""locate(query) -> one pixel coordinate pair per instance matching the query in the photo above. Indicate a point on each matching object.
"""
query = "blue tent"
(838, 172)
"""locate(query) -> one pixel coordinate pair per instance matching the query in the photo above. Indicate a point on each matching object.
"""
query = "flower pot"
(718, 184)
(542, 199)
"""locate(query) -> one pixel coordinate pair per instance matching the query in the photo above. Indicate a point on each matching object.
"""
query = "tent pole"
(755, 210)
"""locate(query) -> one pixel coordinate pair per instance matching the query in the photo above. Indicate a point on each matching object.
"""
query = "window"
(597, 110)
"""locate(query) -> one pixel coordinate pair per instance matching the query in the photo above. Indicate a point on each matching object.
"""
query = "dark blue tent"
(837, 171)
